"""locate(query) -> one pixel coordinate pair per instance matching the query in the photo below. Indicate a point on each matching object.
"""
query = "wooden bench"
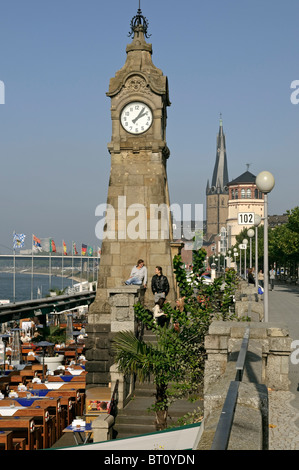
(42, 418)
(22, 427)
(52, 403)
(20, 441)
(6, 440)
(68, 401)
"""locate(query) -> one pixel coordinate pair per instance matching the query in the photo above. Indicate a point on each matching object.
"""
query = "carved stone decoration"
(135, 84)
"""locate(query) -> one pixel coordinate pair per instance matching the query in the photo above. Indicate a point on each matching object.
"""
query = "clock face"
(136, 117)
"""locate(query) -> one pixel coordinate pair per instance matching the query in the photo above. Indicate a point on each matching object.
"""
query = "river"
(23, 285)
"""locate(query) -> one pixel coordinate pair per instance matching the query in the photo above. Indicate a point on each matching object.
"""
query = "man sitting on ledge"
(138, 275)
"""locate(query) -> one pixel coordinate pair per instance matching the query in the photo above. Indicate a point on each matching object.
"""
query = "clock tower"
(138, 222)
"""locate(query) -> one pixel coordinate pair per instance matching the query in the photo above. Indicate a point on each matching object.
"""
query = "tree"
(176, 362)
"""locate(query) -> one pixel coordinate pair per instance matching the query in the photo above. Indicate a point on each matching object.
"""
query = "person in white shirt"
(138, 275)
(272, 278)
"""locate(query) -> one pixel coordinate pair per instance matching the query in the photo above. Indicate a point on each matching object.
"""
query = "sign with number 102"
(246, 218)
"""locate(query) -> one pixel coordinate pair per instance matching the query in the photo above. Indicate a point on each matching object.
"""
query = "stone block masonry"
(266, 366)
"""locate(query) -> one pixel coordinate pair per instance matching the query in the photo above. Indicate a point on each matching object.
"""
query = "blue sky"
(230, 57)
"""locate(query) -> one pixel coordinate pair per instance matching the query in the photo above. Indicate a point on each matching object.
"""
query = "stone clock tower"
(137, 224)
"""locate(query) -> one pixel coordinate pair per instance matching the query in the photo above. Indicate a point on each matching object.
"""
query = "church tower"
(217, 193)
(138, 221)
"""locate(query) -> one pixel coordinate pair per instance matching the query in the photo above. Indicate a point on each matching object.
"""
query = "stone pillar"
(224, 339)
(122, 301)
(102, 428)
(99, 355)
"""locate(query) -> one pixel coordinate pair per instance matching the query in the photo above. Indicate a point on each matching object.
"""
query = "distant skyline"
(222, 56)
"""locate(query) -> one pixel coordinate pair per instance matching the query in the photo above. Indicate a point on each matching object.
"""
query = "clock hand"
(139, 116)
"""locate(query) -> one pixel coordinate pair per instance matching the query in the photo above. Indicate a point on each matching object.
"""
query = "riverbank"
(38, 273)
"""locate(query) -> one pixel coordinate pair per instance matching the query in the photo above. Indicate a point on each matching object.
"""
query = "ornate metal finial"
(137, 21)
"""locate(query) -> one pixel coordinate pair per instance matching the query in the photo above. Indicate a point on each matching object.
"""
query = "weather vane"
(139, 20)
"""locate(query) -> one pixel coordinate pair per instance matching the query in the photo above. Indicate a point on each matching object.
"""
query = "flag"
(64, 248)
(37, 243)
(52, 246)
(83, 250)
(75, 252)
(18, 240)
(90, 251)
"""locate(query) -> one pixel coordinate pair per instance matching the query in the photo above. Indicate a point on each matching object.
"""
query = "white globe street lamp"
(240, 248)
(250, 234)
(265, 183)
(257, 221)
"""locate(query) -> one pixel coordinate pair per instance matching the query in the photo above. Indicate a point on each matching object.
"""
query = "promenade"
(284, 406)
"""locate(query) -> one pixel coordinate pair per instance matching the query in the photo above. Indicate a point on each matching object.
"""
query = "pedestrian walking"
(272, 278)
(261, 278)
(250, 276)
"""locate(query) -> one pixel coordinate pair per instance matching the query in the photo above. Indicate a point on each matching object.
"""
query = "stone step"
(123, 431)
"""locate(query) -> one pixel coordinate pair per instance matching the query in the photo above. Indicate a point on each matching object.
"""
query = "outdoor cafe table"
(40, 414)
(21, 426)
(52, 403)
(66, 378)
(56, 385)
(70, 401)
(81, 434)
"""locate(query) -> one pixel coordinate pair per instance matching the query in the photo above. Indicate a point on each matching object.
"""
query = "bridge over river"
(32, 308)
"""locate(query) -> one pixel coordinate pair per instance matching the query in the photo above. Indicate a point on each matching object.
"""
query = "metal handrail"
(114, 400)
(223, 430)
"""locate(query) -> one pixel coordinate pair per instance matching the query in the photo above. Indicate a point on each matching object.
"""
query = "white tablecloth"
(75, 371)
(9, 410)
(54, 385)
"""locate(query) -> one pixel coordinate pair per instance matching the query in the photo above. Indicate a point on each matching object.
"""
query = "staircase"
(136, 420)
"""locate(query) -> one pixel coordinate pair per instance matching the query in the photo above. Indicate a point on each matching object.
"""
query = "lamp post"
(265, 183)
(257, 221)
(213, 271)
(245, 242)
(240, 248)
(75, 336)
(229, 258)
(5, 340)
(235, 258)
(250, 234)
(44, 345)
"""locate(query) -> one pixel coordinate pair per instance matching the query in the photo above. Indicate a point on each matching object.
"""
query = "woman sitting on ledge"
(138, 275)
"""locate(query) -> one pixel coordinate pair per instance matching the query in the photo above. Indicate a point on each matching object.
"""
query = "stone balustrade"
(266, 366)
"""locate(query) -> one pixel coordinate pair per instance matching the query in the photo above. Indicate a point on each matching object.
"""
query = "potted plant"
(52, 336)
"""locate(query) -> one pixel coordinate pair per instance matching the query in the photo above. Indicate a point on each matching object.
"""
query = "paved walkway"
(284, 406)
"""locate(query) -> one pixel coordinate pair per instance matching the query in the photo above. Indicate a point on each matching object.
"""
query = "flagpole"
(62, 266)
(81, 265)
(32, 269)
(72, 263)
(14, 275)
(50, 250)
(93, 264)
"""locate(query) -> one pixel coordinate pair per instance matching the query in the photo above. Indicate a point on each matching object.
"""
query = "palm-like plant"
(174, 359)
(177, 359)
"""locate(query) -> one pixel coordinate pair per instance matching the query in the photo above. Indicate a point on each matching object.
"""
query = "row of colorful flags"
(49, 245)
